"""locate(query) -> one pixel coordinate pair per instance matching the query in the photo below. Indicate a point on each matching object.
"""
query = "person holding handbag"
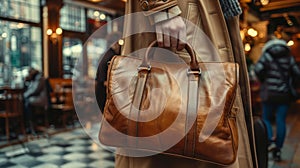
(219, 21)
(274, 69)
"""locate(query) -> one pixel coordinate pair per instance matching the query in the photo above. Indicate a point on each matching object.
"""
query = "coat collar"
(273, 42)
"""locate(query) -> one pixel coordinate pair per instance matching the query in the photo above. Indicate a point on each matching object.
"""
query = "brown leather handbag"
(176, 109)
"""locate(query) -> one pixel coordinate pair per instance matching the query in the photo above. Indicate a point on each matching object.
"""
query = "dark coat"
(274, 69)
(36, 93)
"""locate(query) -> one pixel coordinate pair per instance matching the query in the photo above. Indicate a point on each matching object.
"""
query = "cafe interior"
(58, 37)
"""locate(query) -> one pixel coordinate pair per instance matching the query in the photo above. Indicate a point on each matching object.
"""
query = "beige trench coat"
(208, 16)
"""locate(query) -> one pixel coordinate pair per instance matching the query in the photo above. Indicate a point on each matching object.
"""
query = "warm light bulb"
(4, 35)
(121, 42)
(49, 32)
(96, 13)
(252, 32)
(95, 1)
(58, 31)
(102, 16)
(290, 43)
(264, 2)
(20, 25)
(247, 47)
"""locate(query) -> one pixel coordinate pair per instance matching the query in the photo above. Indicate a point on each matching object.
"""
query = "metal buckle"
(189, 72)
(145, 5)
(141, 68)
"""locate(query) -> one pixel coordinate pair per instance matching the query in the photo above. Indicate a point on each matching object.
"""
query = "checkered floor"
(75, 149)
(72, 149)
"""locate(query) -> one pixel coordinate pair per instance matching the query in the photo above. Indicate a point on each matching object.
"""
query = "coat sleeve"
(295, 68)
(36, 88)
(153, 6)
(164, 15)
(159, 10)
(260, 68)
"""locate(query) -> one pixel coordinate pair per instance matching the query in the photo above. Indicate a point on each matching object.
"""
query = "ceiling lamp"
(247, 47)
(95, 0)
(252, 32)
(264, 2)
(290, 43)
(288, 20)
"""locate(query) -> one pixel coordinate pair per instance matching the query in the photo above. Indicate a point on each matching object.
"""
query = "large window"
(27, 10)
(72, 50)
(97, 44)
(72, 18)
(20, 48)
(20, 44)
(96, 19)
(95, 48)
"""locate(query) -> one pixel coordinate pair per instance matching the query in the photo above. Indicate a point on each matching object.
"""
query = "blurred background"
(50, 36)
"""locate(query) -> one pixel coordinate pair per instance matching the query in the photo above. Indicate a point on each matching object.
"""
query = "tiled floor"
(291, 149)
(75, 149)
(66, 150)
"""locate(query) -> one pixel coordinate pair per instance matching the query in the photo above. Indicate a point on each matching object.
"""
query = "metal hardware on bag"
(140, 68)
(189, 72)
(145, 5)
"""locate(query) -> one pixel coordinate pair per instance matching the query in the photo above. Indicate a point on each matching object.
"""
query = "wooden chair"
(40, 118)
(61, 105)
(14, 109)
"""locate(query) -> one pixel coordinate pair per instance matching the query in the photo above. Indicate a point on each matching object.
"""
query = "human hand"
(171, 33)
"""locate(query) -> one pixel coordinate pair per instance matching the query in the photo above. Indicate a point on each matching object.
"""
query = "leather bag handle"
(193, 64)
(193, 74)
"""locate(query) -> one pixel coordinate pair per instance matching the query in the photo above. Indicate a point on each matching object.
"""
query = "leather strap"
(191, 115)
(193, 63)
(136, 106)
(192, 109)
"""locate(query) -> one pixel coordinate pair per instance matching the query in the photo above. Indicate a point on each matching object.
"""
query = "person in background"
(35, 95)
(274, 69)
